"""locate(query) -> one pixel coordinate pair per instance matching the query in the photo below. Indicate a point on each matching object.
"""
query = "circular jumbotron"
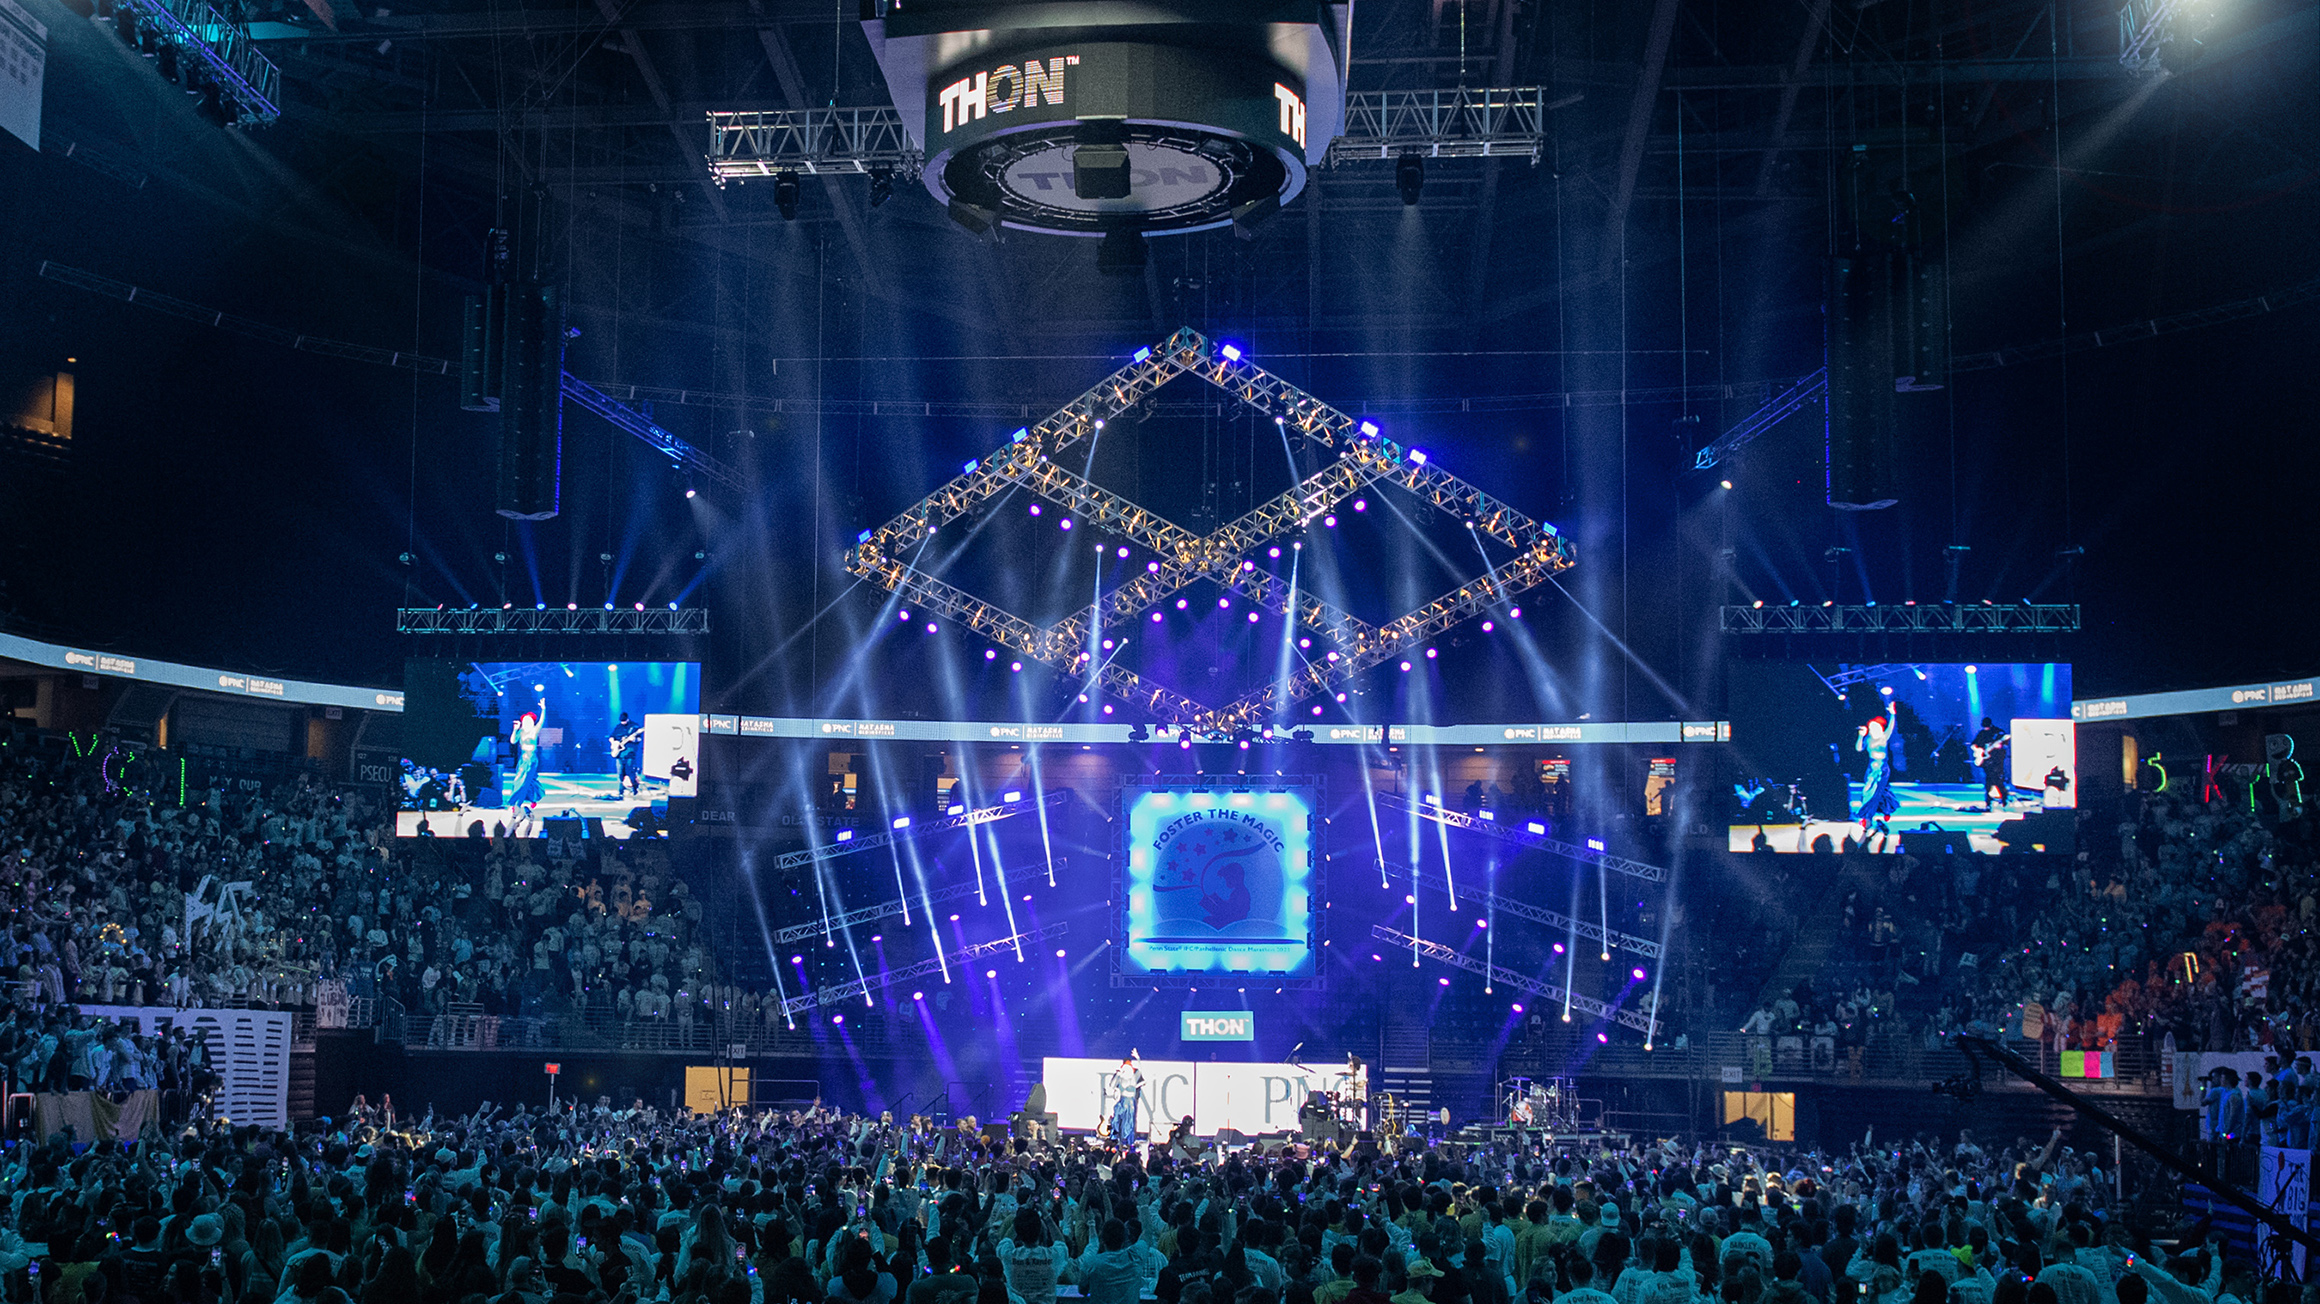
(1180, 178)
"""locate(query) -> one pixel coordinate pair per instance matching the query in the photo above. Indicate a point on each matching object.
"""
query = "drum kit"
(1552, 1104)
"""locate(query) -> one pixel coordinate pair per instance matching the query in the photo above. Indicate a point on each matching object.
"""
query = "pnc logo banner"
(1239, 1025)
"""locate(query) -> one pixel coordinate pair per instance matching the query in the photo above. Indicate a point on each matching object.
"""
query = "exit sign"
(1236, 1025)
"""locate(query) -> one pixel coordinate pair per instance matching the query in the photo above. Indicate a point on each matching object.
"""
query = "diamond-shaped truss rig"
(1363, 457)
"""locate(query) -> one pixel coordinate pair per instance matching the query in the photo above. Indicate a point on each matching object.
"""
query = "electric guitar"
(1981, 752)
(623, 740)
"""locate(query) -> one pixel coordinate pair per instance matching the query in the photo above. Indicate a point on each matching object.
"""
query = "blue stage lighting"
(1231, 353)
(1418, 455)
(1020, 435)
(902, 821)
(1369, 427)
(863, 537)
(1142, 354)
(1011, 796)
(845, 835)
(970, 467)
(1594, 844)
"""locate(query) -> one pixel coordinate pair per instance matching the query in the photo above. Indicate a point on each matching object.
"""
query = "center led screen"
(1219, 881)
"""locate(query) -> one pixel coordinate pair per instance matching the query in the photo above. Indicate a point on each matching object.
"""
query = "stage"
(1932, 814)
(570, 795)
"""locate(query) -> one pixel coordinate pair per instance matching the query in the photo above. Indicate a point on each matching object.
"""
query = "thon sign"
(1239, 1025)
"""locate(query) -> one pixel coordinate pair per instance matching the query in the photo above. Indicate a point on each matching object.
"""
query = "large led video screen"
(546, 749)
(1219, 880)
(1902, 757)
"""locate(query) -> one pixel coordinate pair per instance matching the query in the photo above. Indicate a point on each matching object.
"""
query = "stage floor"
(569, 796)
(1949, 807)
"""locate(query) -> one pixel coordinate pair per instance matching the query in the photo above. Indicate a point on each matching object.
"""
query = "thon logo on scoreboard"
(1102, 120)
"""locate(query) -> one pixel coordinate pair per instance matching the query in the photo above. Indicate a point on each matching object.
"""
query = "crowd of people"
(594, 1205)
(2187, 924)
(129, 884)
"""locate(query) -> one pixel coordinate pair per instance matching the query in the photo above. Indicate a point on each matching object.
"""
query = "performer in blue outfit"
(1877, 799)
(527, 792)
(1127, 1089)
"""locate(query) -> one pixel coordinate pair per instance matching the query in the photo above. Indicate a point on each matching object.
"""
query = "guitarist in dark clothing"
(628, 749)
(1989, 747)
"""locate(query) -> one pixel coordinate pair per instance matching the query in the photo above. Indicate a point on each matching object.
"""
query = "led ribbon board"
(1219, 881)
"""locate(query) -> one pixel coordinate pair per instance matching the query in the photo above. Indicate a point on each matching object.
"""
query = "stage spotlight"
(1514, 613)
(1252, 618)
(881, 185)
(918, 996)
(1120, 253)
(1638, 972)
(1155, 617)
(1444, 981)
(1488, 626)
(691, 492)
(1015, 667)
(1063, 524)
(1361, 504)
(1273, 552)
(903, 615)
(1727, 484)
(1058, 950)
(1330, 521)
(1405, 667)
(1035, 509)
(785, 195)
(1431, 654)
(1410, 178)
(837, 1018)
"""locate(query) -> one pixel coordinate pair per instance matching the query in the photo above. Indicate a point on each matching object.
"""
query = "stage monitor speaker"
(570, 830)
(1934, 842)
(1862, 294)
(531, 413)
(2053, 830)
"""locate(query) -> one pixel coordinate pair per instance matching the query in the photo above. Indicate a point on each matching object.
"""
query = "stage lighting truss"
(632, 422)
(1450, 955)
(1522, 837)
(872, 914)
(225, 53)
(920, 829)
(551, 620)
(1432, 880)
(1906, 618)
(1812, 389)
(885, 556)
(860, 987)
(1481, 122)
